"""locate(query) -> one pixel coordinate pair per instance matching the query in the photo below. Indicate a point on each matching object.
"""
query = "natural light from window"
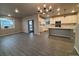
(7, 23)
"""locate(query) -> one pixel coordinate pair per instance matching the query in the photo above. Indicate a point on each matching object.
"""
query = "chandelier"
(45, 9)
(52, 10)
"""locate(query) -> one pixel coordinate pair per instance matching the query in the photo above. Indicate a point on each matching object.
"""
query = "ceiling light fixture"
(44, 5)
(16, 10)
(41, 11)
(44, 10)
(47, 10)
(38, 8)
(9, 14)
(50, 7)
(58, 9)
(73, 11)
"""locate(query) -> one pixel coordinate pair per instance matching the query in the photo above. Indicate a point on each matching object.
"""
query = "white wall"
(36, 24)
(77, 36)
(25, 25)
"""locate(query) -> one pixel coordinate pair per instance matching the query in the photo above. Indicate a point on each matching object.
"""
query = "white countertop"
(61, 28)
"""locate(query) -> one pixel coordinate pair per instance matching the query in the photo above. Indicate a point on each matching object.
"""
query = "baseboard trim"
(10, 33)
(76, 50)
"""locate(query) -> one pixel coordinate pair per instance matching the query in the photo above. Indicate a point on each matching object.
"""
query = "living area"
(42, 29)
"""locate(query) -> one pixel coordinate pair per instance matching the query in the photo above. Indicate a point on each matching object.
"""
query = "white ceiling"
(28, 9)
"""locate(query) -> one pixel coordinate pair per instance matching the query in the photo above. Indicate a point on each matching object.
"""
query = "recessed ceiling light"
(58, 9)
(9, 14)
(58, 14)
(16, 10)
(73, 11)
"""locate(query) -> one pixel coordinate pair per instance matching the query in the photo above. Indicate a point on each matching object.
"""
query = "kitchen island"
(63, 32)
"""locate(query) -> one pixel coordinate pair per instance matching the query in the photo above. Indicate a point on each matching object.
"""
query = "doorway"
(31, 26)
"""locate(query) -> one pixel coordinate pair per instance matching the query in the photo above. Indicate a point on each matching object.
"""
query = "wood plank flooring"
(23, 44)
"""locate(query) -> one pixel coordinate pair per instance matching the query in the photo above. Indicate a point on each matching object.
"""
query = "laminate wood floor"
(23, 44)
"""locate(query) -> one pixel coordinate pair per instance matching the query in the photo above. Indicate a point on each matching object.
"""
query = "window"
(47, 20)
(7, 23)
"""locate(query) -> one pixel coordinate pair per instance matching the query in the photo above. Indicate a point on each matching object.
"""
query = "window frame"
(8, 18)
